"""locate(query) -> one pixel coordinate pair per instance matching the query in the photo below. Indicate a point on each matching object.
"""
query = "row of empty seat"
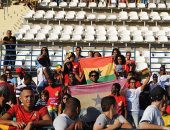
(82, 15)
(93, 33)
(49, 4)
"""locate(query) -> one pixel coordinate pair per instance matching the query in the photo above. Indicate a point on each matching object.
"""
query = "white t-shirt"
(152, 115)
(62, 122)
(132, 98)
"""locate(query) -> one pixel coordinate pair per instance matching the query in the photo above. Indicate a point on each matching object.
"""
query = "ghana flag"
(104, 65)
(6, 127)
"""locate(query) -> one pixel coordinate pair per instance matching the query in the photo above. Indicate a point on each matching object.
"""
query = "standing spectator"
(11, 80)
(130, 64)
(27, 115)
(69, 120)
(132, 97)
(94, 76)
(152, 118)
(78, 54)
(120, 100)
(110, 119)
(54, 97)
(115, 52)
(10, 44)
(97, 54)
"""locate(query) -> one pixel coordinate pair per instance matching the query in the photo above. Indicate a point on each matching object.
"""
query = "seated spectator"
(69, 120)
(97, 54)
(120, 60)
(154, 82)
(120, 100)
(72, 79)
(58, 76)
(21, 73)
(94, 76)
(130, 64)
(44, 96)
(27, 115)
(90, 54)
(62, 105)
(152, 118)
(120, 72)
(162, 70)
(115, 52)
(4, 96)
(110, 119)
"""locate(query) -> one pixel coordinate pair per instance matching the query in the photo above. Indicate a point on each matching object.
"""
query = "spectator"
(120, 100)
(132, 97)
(4, 96)
(21, 73)
(62, 105)
(11, 80)
(120, 72)
(90, 54)
(115, 52)
(68, 68)
(130, 64)
(27, 115)
(69, 119)
(152, 118)
(162, 70)
(94, 76)
(10, 44)
(44, 96)
(78, 54)
(110, 119)
(58, 76)
(97, 54)
(54, 97)
(72, 80)
(154, 82)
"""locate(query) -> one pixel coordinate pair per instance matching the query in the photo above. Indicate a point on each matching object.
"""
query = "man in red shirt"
(120, 100)
(27, 115)
(130, 64)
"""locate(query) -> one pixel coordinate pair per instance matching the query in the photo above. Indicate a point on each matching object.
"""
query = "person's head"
(73, 107)
(132, 82)
(157, 93)
(115, 52)
(45, 95)
(58, 68)
(68, 67)
(4, 94)
(108, 104)
(27, 79)
(90, 54)
(131, 74)
(65, 97)
(44, 51)
(78, 51)
(8, 73)
(20, 72)
(167, 87)
(162, 70)
(9, 33)
(97, 54)
(120, 60)
(115, 89)
(51, 82)
(128, 55)
(27, 97)
(71, 56)
(155, 78)
(94, 76)
(3, 78)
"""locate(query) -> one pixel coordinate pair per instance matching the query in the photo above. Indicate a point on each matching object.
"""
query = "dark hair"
(132, 78)
(96, 52)
(128, 52)
(3, 77)
(4, 91)
(78, 48)
(118, 51)
(122, 57)
(94, 71)
(72, 103)
(62, 103)
(66, 70)
(107, 102)
(45, 93)
(92, 53)
(117, 86)
(157, 93)
(27, 76)
(46, 49)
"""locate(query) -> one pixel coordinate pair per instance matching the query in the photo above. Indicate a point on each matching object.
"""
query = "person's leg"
(135, 116)
(12, 62)
(6, 62)
(130, 118)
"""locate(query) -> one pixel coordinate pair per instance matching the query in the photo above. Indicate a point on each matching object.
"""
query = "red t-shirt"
(76, 67)
(66, 79)
(121, 103)
(24, 116)
(54, 95)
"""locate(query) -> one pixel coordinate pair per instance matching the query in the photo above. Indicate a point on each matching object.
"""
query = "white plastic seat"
(82, 4)
(28, 36)
(76, 37)
(80, 15)
(102, 4)
(148, 33)
(49, 14)
(149, 38)
(144, 28)
(57, 27)
(38, 16)
(133, 28)
(122, 5)
(133, 15)
(168, 5)
(92, 5)
(166, 29)
(111, 17)
(125, 38)
(52, 4)
(44, 31)
(164, 14)
(63, 4)
(160, 33)
(56, 31)
(45, 3)
(141, 5)
(161, 6)
(101, 38)
(166, 18)
(89, 38)
(22, 31)
(18, 36)
(111, 28)
(70, 15)
(131, 5)
(91, 16)
(65, 37)
(136, 33)
(155, 16)
(162, 39)
(52, 37)
(112, 38)
(36, 26)
(26, 27)
(124, 33)
(143, 16)
(137, 38)
(29, 14)
(121, 29)
(123, 15)
(151, 5)
(101, 17)
(33, 31)
(72, 4)
(60, 15)
(40, 37)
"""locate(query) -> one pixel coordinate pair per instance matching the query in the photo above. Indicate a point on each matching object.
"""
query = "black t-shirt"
(10, 48)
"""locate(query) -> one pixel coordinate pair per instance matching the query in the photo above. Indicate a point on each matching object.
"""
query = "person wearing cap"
(154, 82)
(152, 118)
(20, 72)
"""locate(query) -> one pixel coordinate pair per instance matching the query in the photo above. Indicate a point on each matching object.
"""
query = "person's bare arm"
(126, 125)
(145, 83)
(147, 125)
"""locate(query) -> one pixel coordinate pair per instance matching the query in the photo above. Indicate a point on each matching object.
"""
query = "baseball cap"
(157, 93)
(19, 70)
